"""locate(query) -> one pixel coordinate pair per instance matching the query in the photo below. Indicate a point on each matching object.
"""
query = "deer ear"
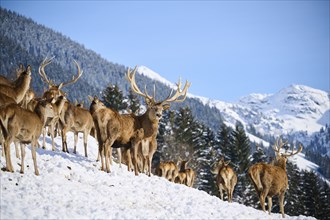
(149, 102)
(90, 98)
(166, 106)
(60, 86)
(28, 70)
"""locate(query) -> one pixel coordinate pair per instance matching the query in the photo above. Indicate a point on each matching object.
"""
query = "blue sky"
(227, 49)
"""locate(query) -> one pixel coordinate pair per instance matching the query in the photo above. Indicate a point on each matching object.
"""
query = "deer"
(271, 179)
(187, 175)
(168, 170)
(52, 122)
(149, 121)
(23, 126)
(75, 119)
(71, 118)
(226, 178)
(114, 130)
(16, 91)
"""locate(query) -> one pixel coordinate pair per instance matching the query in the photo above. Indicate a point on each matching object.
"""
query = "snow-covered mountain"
(73, 187)
(295, 110)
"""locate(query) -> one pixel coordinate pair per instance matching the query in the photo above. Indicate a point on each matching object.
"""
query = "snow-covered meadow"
(73, 187)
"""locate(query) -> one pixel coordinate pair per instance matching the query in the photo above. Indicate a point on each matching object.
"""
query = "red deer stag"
(23, 126)
(226, 178)
(150, 119)
(271, 179)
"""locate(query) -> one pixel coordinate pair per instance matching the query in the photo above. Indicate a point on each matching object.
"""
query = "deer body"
(113, 131)
(168, 170)
(75, 119)
(271, 179)
(23, 126)
(226, 178)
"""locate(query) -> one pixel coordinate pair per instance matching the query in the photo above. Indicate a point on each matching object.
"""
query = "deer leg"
(281, 201)
(221, 192)
(85, 142)
(101, 155)
(9, 166)
(64, 144)
(263, 195)
(75, 142)
(51, 131)
(270, 204)
(34, 157)
(44, 138)
(23, 156)
(129, 160)
(119, 156)
(107, 152)
(135, 158)
(17, 150)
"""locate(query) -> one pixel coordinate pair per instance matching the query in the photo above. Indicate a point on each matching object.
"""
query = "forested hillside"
(25, 41)
(189, 130)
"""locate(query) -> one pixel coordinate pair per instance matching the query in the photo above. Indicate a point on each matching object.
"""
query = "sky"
(226, 49)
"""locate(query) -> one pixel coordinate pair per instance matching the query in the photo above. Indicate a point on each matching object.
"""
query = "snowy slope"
(72, 187)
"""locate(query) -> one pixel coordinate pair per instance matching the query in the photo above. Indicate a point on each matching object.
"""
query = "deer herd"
(24, 118)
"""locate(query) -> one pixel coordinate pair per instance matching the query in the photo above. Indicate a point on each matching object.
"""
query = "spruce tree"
(241, 159)
(224, 142)
(293, 196)
(133, 101)
(113, 98)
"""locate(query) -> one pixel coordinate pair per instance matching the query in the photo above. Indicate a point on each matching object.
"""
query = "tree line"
(181, 135)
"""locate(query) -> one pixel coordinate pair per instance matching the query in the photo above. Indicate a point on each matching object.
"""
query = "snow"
(294, 109)
(73, 187)
(302, 163)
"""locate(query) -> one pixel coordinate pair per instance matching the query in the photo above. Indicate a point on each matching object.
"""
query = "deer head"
(281, 158)
(155, 108)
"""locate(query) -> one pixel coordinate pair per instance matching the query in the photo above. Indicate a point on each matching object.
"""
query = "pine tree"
(204, 144)
(113, 98)
(293, 195)
(324, 203)
(133, 101)
(224, 142)
(311, 195)
(241, 159)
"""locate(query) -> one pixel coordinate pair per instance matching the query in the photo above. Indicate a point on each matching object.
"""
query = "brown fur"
(18, 90)
(113, 130)
(226, 178)
(271, 179)
(23, 126)
(75, 119)
(168, 170)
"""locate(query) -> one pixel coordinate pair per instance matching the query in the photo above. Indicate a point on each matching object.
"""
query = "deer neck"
(281, 163)
(22, 87)
(41, 114)
(150, 126)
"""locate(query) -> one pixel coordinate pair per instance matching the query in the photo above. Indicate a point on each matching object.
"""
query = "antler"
(42, 73)
(130, 76)
(294, 153)
(178, 93)
(175, 98)
(74, 79)
(278, 145)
